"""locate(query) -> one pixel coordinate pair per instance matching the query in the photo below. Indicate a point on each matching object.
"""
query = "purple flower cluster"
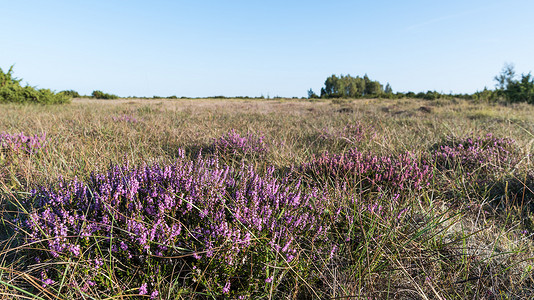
(125, 118)
(481, 154)
(227, 222)
(21, 143)
(235, 144)
(371, 172)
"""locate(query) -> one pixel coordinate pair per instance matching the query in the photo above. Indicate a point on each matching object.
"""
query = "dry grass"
(84, 136)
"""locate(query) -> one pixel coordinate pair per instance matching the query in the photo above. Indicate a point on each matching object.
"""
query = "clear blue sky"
(253, 47)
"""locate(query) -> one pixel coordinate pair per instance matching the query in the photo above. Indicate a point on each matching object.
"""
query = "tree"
(312, 94)
(346, 86)
(373, 88)
(506, 77)
(323, 92)
(329, 85)
(388, 90)
(512, 89)
(521, 90)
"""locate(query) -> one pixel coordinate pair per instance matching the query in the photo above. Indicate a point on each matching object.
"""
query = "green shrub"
(521, 90)
(70, 94)
(512, 89)
(12, 91)
(101, 95)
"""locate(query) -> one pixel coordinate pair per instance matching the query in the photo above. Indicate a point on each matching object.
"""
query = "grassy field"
(274, 199)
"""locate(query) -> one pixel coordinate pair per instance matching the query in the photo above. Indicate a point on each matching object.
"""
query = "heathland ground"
(419, 199)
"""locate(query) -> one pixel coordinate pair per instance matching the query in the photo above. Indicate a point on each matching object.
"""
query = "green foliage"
(350, 87)
(512, 89)
(521, 90)
(7, 79)
(485, 94)
(70, 93)
(312, 94)
(101, 95)
(388, 89)
(429, 95)
(506, 77)
(12, 91)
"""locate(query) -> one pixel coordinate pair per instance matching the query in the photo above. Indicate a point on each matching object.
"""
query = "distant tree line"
(95, 94)
(509, 88)
(346, 86)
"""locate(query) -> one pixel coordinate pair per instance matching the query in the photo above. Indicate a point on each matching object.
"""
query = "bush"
(369, 172)
(191, 226)
(512, 89)
(101, 95)
(70, 94)
(482, 155)
(521, 90)
(12, 91)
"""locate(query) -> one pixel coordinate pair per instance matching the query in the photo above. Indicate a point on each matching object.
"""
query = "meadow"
(267, 199)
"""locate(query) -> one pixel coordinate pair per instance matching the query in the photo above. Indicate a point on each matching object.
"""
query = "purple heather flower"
(48, 282)
(123, 246)
(226, 288)
(75, 249)
(333, 251)
(143, 289)
(98, 263)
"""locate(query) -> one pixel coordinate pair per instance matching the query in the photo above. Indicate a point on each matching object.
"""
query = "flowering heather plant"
(206, 227)
(372, 173)
(21, 143)
(235, 144)
(125, 118)
(479, 154)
